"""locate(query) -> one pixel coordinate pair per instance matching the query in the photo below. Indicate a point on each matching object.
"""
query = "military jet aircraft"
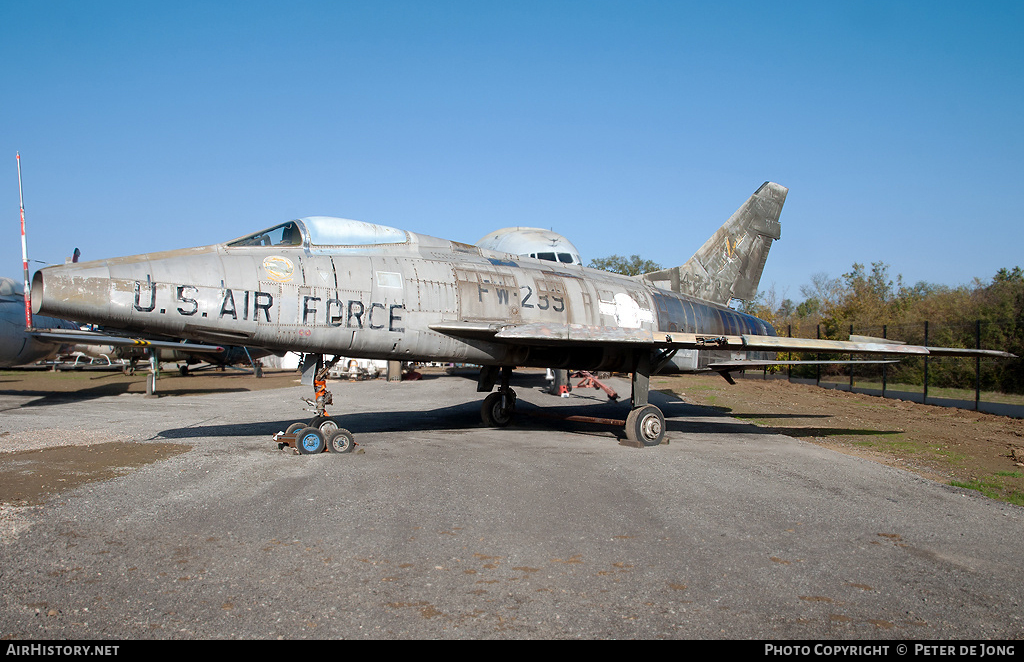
(332, 286)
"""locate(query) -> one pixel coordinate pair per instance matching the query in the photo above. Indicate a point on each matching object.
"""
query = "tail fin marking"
(729, 264)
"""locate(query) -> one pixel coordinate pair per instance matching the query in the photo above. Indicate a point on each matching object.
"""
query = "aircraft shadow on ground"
(51, 398)
(460, 416)
(745, 423)
(529, 416)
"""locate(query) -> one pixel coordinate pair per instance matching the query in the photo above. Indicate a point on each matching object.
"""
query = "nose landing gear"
(322, 433)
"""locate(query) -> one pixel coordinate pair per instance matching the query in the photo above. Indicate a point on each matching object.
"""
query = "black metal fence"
(984, 384)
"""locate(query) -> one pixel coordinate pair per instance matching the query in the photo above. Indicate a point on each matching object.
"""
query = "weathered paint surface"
(730, 263)
(335, 286)
(368, 301)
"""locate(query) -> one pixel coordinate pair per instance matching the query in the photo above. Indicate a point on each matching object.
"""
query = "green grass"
(702, 387)
(994, 487)
(933, 391)
(950, 456)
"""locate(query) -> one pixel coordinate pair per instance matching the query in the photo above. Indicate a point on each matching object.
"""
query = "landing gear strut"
(314, 363)
(645, 423)
(322, 433)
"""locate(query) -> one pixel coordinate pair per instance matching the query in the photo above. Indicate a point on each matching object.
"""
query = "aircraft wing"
(578, 334)
(91, 338)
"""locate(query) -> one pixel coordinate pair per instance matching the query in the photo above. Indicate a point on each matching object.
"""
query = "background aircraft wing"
(91, 338)
(781, 344)
(741, 364)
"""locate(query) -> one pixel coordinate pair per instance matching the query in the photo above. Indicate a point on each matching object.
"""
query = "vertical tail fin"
(730, 263)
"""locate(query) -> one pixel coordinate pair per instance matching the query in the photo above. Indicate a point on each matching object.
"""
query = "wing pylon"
(92, 338)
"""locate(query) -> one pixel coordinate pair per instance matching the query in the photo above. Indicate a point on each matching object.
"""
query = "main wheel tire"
(493, 414)
(340, 441)
(310, 441)
(646, 424)
(325, 424)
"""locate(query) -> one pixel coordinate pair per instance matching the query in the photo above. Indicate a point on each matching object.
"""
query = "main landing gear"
(322, 433)
(498, 408)
(644, 425)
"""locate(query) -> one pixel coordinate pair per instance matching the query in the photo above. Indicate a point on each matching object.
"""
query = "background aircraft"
(324, 285)
(215, 357)
(532, 242)
(17, 346)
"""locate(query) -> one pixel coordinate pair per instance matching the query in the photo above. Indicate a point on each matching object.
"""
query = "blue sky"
(629, 127)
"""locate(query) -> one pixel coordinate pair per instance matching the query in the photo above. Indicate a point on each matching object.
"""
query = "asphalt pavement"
(439, 528)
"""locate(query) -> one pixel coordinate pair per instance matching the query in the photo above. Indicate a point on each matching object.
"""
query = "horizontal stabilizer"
(780, 344)
(876, 339)
(744, 364)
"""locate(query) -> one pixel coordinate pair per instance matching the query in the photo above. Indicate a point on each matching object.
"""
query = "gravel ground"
(439, 528)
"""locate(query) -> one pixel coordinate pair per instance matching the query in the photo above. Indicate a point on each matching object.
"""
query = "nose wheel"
(306, 440)
(322, 433)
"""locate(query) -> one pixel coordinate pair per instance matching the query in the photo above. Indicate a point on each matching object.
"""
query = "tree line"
(871, 303)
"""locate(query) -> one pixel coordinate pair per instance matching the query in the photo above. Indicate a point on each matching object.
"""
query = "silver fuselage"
(376, 301)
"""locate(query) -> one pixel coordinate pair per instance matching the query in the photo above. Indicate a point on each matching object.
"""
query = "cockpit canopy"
(286, 234)
(11, 287)
(324, 231)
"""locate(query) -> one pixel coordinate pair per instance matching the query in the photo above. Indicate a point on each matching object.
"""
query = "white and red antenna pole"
(24, 250)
